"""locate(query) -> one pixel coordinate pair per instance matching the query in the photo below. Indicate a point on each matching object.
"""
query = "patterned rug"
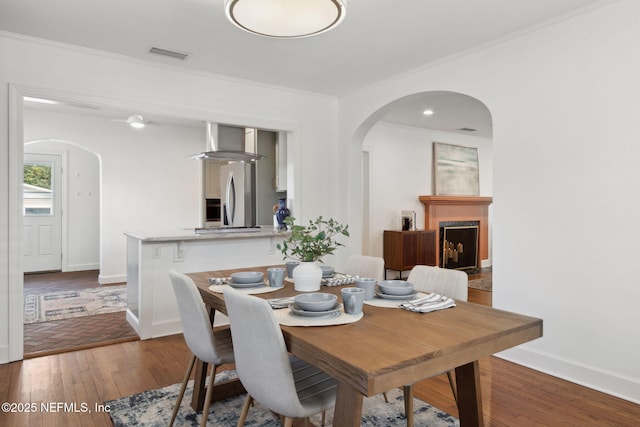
(79, 303)
(482, 284)
(154, 407)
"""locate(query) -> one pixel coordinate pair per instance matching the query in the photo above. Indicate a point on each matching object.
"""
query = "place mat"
(389, 303)
(287, 318)
(249, 291)
(430, 303)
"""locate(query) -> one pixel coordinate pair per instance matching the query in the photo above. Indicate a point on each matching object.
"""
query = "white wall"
(36, 68)
(81, 199)
(401, 164)
(564, 103)
(148, 179)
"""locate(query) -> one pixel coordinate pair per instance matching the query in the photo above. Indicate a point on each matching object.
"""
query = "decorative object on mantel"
(456, 170)
(308, 244)
(408, 220)
(281, 211)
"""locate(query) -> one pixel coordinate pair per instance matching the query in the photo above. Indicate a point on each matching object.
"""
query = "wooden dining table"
(391, 347)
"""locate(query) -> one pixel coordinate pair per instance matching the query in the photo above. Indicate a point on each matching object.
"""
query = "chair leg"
(207, 398)
(288, 422)
(408, 404)
(452, 383)
(324, 418)
(182, 389)
(245, 410)
(386, 399)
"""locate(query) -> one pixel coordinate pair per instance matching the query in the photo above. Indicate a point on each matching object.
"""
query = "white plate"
(307, 313)
(396, 297)
(246, 285)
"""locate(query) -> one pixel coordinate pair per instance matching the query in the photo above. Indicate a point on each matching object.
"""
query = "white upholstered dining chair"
(365, 266)
(446, 282)
(285, 385)
(213, 347)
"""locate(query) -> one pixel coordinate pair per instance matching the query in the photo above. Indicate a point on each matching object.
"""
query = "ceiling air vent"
(467, 129)
(172, 53)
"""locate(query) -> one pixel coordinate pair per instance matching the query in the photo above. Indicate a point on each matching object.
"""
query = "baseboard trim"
(4, 354)
(107, 280)
(81, 267)
(587, 376)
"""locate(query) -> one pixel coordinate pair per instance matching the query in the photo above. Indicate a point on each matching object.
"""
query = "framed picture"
(456, 170)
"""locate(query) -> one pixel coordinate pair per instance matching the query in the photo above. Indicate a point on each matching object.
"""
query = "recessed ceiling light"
(428, 112)
(40, 100)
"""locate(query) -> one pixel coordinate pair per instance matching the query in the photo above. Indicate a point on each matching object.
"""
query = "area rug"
(78, 303)
(154, 407)
(484, 284)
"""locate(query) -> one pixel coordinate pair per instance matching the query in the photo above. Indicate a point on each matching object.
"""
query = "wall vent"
(172, 53)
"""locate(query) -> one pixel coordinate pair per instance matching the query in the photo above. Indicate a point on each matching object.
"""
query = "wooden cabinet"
(404, 249)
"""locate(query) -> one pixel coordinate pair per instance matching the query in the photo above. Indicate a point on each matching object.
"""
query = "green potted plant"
(308, 244)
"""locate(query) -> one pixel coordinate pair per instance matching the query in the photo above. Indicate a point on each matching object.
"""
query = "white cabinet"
(281, 162)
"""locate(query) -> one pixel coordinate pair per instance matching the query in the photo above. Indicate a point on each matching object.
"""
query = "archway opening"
(397, 157)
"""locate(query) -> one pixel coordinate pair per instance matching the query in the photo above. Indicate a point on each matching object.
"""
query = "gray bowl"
(243, 277)
(316, 301)
(327, 270)
(395, 287)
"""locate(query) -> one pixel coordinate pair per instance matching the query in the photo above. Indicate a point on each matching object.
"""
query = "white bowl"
(316, 301)
(395, 287)
(243, 277)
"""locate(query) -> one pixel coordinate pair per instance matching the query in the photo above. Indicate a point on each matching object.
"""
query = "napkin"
(339, 279)
(277, 303)
(432, 302)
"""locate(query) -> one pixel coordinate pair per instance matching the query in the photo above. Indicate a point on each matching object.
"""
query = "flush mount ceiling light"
(428, 112)
(285, 18)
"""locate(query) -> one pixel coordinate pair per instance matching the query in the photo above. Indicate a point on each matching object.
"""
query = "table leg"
(348, 410)
(197, 400)
(469, 397)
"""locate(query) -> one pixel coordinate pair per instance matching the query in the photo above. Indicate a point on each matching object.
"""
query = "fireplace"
(459, 245)
(464, 209)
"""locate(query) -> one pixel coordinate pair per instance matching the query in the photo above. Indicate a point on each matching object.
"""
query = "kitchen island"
(151, 305)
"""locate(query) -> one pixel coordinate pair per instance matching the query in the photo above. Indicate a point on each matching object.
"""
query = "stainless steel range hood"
(227, 143)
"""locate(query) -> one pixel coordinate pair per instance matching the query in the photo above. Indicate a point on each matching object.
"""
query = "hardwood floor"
(71, 334)
(512, 395)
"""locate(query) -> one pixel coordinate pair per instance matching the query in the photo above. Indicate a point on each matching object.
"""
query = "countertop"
(190, 234)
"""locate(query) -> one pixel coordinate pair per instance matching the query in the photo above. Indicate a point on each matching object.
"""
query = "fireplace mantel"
(439, 209)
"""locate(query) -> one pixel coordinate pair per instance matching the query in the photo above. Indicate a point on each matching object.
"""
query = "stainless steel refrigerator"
(238, 181)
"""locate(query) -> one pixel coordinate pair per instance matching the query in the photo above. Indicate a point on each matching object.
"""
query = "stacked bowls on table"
(247, 279)
(395, 289)
(315, 304)
(327, 271)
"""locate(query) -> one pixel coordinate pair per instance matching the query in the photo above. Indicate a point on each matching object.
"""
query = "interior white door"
(42, 210)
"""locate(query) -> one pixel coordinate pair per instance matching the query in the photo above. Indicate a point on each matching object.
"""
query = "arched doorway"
(78, 195)
(396, 144)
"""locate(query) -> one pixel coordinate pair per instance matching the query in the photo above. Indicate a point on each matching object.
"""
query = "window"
(37, 189)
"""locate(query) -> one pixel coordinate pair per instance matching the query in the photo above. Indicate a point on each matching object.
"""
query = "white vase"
(307, 277)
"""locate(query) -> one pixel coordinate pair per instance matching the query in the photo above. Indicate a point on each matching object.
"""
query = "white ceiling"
(377, 40)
